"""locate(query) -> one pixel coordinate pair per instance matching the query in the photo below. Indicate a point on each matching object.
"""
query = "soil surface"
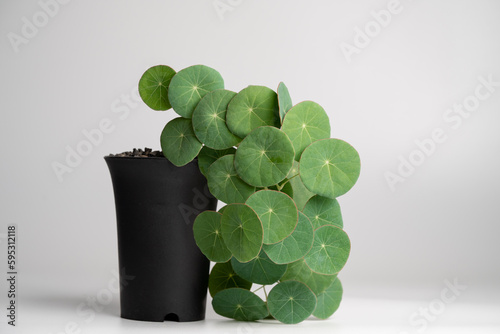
(140, 153)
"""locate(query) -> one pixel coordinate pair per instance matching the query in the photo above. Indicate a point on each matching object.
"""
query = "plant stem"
(283, 185)
(265, 293)
(258, 289)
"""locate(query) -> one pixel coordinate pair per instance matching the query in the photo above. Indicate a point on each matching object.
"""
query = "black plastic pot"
(156, 204)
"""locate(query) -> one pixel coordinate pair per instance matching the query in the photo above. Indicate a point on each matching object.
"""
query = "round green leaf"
(223, 277)
(329, 167)
(189, 86)
(209, 120)
(239, 304)
(153, 87)
(300, 193)
(284, 100)
(208, 156)
(265, 157)
(221, 210)
(291, 302)
(304, 124)
(242, 231)
(294, 247)
(330, 250)
(277, 212)
(208, 236)
(323, 211)
(225, 184)
(260, 270)
(178, 142)
(251, 108)
(329, 300)
(300, 271)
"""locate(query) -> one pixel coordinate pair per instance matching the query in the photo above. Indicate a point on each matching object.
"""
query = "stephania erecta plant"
(279, 173)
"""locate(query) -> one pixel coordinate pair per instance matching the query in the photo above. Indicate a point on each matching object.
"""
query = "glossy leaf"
(329, 300)
(251, 108)
(300, 193)
(284, 100)
(208, 156)
(291, 302)
(265, 157)
(223, 277)
(330, 250)
(190, 85)
(239, 304)
(301, 272)
(208, 236)
(209, 120)
(329, 167)
(179, 143)
(277, 212)
(225, 184)
(260, 270)
(304, 124)
(294, 247)
(153, 87)
(242, 231)
(323, 211)
(221, 210)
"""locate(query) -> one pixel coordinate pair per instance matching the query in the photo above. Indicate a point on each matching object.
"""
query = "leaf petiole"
(283, 185)
(258, 289)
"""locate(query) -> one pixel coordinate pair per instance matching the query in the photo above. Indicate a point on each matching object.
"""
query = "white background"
(442, 223)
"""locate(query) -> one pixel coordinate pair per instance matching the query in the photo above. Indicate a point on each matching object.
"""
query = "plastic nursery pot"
(164, 276)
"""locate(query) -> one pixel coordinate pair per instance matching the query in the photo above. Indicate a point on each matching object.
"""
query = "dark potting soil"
(140, 153)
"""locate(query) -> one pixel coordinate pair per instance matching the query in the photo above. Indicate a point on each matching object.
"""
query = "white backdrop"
(413, 85)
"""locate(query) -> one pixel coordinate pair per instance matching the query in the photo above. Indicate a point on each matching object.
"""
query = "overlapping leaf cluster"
(274, 165)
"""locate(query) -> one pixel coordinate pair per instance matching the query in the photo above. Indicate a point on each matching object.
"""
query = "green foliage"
(284, 186)
(265, 157)
(178, 141)
(209, 120)
(208, 156)
(242, 231)
(239, 304)
(190, 85)
(304, 124)
(207, 230)
(225, 184)
(323, 211)
(330, 250)
(301, 272)
(329, 167)
(284, 100)
(300, 193)
(253, 107)
(295, 246)
(275, 167)
(277, 212)
(260, 270)
(223, 277)
(291, 302)
(153, 87)
(329, 300)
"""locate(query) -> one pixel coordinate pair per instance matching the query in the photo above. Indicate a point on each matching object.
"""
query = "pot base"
(174, 317)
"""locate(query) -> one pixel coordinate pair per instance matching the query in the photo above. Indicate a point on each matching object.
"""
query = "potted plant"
(279, 173)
